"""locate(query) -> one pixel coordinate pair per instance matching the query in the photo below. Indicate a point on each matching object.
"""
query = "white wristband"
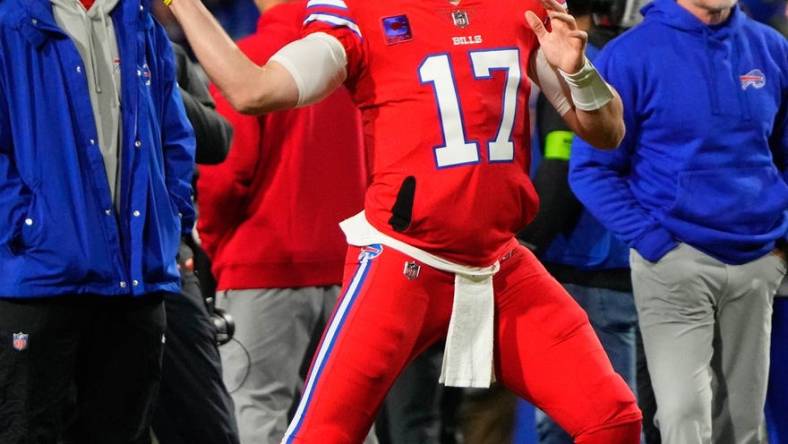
(589, 91)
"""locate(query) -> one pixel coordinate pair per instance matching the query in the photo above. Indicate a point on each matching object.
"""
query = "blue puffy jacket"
(59, 231)
(706, 110)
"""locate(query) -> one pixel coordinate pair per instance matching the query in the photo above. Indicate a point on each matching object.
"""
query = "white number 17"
(457, 150)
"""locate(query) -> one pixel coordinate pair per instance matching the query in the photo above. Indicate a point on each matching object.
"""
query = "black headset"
(223, 323)
(616, 13)
(621, 14)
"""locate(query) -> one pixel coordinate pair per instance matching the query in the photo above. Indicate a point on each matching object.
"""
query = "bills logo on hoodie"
(754, 78)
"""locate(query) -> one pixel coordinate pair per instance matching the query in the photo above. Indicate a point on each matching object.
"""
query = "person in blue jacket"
(697, 190)
(96, 159)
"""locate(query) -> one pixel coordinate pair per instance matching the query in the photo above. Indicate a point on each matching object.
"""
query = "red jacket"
(269, 213)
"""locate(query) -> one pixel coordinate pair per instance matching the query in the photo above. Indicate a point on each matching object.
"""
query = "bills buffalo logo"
(370, 252)
(754, 78)
(20, 341)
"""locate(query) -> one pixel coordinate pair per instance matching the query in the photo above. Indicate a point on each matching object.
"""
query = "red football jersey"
(443, 91)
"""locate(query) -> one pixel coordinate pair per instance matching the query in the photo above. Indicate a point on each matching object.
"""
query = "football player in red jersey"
(443, 89)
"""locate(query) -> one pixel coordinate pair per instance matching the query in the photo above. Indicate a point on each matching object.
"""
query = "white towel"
(468, 356)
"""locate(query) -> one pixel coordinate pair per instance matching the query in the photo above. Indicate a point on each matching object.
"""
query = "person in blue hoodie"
(697, 190)
(96, 159)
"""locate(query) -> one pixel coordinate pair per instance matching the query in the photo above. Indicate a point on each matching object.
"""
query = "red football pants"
(545, 349)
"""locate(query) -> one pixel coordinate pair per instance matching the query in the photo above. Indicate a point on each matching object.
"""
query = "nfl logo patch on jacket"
(20, 341)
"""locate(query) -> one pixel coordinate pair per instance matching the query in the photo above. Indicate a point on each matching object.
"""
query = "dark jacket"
(573, 245)
(212, 131)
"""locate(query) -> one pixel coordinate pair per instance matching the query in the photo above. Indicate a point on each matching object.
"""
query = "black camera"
(223, 323)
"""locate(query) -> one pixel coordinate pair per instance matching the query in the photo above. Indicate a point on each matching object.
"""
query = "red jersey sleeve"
(335, 18)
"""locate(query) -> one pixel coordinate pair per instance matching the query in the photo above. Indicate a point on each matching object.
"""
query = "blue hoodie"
(705, 111)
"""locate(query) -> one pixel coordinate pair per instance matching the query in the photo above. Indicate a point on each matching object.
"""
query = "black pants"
(194, 406)
(86, 372)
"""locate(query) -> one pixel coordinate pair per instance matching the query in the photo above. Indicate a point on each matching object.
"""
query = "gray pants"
(706, 328)
(276, 332)
(276, 327)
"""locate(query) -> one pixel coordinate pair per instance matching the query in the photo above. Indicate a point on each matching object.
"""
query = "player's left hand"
(564, 46)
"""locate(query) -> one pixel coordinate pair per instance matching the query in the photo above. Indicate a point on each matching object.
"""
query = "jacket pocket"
(162, 234)
(742, 201)
(30, 228)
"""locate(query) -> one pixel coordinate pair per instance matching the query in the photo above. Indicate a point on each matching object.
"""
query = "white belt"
(468, 356)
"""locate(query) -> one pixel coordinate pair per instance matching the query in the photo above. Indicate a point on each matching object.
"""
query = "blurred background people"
(589, 261)
(269, 221)
(696, 192)
(419, 409)
(194, 406)
(771, 12)
(96, 156)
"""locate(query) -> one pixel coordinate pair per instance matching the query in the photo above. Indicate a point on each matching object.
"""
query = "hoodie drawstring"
(98, 12)
(107, 37)
(91, 49)
(715, 101)
(736, 61)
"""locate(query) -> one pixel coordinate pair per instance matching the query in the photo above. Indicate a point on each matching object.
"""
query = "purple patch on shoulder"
(397, 29)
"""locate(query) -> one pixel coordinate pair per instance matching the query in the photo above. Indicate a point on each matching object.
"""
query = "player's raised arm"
(594, 112)
(303, 72)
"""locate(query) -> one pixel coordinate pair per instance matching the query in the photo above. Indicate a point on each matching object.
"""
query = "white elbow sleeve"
(317, 63)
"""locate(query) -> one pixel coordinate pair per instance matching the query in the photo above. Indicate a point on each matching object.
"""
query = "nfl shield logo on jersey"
(460, 18)
(20, 341)
(411, 270)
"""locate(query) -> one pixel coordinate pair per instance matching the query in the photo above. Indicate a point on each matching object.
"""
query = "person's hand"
(564, 46)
